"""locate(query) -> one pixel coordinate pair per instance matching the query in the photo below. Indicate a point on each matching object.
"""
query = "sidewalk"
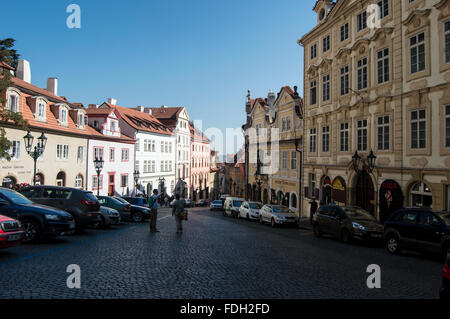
(305, 224)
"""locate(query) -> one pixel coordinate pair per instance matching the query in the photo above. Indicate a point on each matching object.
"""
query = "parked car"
(250, 210)
(37, 220)
(277, 215)
(82, 205)
(11, 232)
(138, 201)
(445, 289)
(231, 206)
(123, 208)
(418, 229)
(138, 214)
(216, 205)
(188, 202)
(347, 223)
(201, 203)
(108, 216)
(224, 197)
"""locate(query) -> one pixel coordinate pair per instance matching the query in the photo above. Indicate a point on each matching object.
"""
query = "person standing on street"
(177, 209)
(313, 210)
(153, 203)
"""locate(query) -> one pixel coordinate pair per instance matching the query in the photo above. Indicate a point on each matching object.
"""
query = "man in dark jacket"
(177, 209)
(313, 210)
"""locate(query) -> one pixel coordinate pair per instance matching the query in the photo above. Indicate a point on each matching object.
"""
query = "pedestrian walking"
(153, 204)
(313, 210)
(166, 201)
(177, 210)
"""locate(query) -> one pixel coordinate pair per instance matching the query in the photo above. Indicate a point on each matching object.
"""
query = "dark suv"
(81, 204)
(138, 201)
(347, 223)
(419, 229)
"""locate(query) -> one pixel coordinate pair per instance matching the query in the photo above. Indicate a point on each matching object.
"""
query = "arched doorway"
(40, 179)
(294, 201)
(254, 193)
(280, 198)
(420, 195)
(364, 192)
(61, 179)
(391, 199)
(326, 190)
(286, 200)
(266, 196)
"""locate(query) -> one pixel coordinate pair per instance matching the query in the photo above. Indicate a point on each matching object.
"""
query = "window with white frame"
(417, 53)
(125, 155)
(447, 41)
(138, 145)
(286, 124)
(294, 160)
(418, 129)
(98, 153)
(362, 73)
(383, 133)
(63, 115)
(312, 185)
(15, 150)
(62, 152)
(80, 153)
(41, 108)
(13, 102)
(447, 125)
(362, 135)
(325, 139)
(383, 9)
(383, 65)
(80, 119)
(344, 134)
(112, 154)
(79, 181)
(345, 80)
(137, 166)
(312, 140)
(326, 88)
(95, 183)
(123, 180)
(284, 160)
(361, 21)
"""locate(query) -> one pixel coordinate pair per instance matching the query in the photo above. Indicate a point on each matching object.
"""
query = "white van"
(232, 205)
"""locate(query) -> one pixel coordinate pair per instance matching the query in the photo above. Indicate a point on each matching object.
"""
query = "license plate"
(14, 237)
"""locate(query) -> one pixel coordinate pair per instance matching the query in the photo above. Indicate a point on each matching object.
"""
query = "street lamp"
(368, 163)
(38, 149)
(136, 176)
(161, 184)
(98, 164)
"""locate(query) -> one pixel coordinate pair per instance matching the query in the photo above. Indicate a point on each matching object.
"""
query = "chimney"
(24, 71)
(52, 86)
(141, 108)
(112, 101)
(149, 111)
(93, 106)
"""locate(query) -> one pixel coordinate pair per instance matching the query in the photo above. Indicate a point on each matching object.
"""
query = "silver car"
(277, 215)
(250, 210)
(108, 216)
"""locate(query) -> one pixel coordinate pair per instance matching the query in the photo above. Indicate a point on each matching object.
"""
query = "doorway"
(365, 194)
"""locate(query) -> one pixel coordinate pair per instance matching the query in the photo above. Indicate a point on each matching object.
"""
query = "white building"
(114, 148)
(154, 157)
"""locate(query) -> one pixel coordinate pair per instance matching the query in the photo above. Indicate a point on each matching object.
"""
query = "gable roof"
(166, 112)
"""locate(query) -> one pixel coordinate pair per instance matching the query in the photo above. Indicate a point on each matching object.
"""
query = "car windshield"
(121, 200)
(445, 216)
(255, 206)
(237, 203)
(16, 198)
(281, 210)
(358, 213)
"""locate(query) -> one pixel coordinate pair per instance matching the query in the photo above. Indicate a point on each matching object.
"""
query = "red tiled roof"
(100, 111)
(6, 66)
(165, 112)
(140, 121)
(27, 86)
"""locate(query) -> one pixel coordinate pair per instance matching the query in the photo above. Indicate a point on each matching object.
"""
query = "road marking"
(164, 217)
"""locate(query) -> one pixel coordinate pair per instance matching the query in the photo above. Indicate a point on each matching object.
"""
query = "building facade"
(376, 78)
(200, 164)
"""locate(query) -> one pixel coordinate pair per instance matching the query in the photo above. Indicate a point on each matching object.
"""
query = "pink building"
(200, 168)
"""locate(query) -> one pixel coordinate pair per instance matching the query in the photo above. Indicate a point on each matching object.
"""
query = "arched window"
(79, 181)
(420, 195)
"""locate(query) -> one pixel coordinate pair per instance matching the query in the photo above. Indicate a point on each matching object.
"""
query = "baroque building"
(376, 79)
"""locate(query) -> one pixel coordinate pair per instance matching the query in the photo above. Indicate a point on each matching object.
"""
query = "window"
(421, 195)
(79, 181)
(124, 181)
(326, 43)
(95, 183)
(13, 102)
(383, 65)
(312, 140)
(15, 150)
(63, 116)
(62, 152)
(362, 135)
(326, 88)
(361, 21)
(294, 160)
(138, 145)
(325, 139)
(313, 51)
(344, 32)
(98, 153)
(383, 133)
(447, 126)
(162, 147)
(312, 185)
(383, 8)
(447, 41)
(137, 167)
(81, 120)
(284, 160)
(113, 126)
(344, 80)
(41, 110)
(344, 133)
(418, 129)
(125, 155)
(162, 166)
(80, 153)
(153, 144)
(286, 124)
(417, 52)
(312, 92)
(112, 154)
(362, 74)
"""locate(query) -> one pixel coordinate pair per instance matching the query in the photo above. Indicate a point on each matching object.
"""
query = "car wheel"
(137, 218)
(272, 223)
(317, 231)
(346, 236)
(102, 223)
(393, 245)
(32, 231)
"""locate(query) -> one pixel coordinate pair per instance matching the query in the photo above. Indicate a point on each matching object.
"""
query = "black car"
(138, 214)
(82, 205)
(347, 223)
(38, 221)
(419, 229)
(445, 289)
(138, 201)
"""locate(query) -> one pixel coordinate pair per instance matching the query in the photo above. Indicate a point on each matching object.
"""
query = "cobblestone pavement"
(215, 257)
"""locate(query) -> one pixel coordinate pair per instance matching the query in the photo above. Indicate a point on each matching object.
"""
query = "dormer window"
(41, 109)
(113, 126)
(13, 102)
(63, 115)
(80, 120)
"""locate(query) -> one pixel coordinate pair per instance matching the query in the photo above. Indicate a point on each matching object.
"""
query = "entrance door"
(365, 195)
(111, 184)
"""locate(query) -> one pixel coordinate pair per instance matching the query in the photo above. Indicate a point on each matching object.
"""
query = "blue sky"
(200, 54)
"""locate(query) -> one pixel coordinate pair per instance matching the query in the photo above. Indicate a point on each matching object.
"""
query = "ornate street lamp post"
(162, 181)
(98, 164)
(38, 149)
(366, 163)
(136, 176)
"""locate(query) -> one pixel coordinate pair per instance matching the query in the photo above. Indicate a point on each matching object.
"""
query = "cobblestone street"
(216, 257)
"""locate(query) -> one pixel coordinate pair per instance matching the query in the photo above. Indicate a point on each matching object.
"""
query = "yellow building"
(376, 78)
